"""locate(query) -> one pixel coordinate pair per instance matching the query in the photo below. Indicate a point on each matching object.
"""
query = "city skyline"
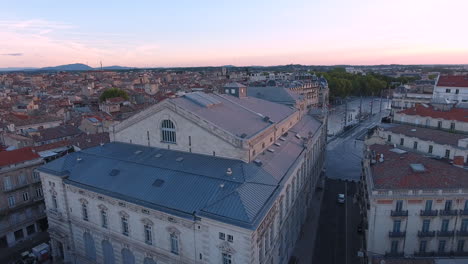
(210, 33)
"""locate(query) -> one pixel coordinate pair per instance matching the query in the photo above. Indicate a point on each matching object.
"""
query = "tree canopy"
(343, 84)
(113, 92)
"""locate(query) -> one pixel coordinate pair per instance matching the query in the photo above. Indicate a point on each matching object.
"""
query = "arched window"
(168, 132)
(174, 243)
(90, 248)
(127, 256)
(108, 252)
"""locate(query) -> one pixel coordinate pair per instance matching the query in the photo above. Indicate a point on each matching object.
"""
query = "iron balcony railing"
(429, 213)
(426, 233)
(445, 233)
(399, 213)
(448, 212)
(396, 234)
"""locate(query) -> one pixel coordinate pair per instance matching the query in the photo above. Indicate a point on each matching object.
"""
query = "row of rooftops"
(424, 110)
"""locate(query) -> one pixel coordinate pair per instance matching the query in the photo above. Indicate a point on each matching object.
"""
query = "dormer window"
(168, 132)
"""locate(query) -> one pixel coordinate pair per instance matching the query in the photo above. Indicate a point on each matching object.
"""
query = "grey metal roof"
(186, 184)
(237, 115)
(197, 184)
(273, 94)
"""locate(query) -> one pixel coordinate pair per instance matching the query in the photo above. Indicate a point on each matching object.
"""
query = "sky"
(213, 33)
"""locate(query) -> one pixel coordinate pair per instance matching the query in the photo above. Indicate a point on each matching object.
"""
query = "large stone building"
(22, 212)
(203, 178)
(453, 88)
(413, 205)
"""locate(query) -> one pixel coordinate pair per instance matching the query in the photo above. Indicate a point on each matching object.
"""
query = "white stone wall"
(430, 122)
(202, 141)
(423, 146)
(441, 92)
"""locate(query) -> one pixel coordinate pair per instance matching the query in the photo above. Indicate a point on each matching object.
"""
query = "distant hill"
(68, 67)
(115, 67)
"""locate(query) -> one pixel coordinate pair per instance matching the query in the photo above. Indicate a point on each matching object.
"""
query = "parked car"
(341, 198)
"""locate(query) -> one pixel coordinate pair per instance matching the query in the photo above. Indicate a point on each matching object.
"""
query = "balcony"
(394, 254)
(424, 254)
(399, 213)
(426, 233)
(461, 233)
(448, 212)
(429, 212)
(445, 233)
(463, 212)
(396, 234)
(15, 187)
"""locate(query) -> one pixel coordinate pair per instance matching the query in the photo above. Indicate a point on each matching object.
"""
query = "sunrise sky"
(200, 33)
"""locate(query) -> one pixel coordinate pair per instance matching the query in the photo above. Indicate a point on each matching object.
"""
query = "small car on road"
(341, 198)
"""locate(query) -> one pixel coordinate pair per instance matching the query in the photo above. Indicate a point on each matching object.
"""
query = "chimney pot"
(458, 161)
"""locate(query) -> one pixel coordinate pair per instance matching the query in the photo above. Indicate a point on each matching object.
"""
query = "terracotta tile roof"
(395, 171)
(457, 114)
(427, 134)
(54, 145)
(17, 156)
(453, 81)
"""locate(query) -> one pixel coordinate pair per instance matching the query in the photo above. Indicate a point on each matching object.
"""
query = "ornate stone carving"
(173, 230)
(83, 201)
(102, 207)
(124, 214)
(147, 221)
(225, 247)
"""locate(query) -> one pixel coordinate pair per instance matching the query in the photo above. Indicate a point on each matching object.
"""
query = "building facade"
(203, 178)
(22, 213)
(453, 88)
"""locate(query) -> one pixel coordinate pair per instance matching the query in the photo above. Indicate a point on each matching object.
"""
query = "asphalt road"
(337, 238)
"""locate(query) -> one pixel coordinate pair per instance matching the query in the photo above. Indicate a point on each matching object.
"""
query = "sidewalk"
(305, 245)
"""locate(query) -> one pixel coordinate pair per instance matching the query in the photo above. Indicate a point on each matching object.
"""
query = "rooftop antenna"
(101, 65)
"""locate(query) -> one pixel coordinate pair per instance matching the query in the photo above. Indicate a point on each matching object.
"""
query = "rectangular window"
(457, 91)
(389, 138)
(415, 145)
(84, 211)
(175, 244)
(399, 205)
(189, 140)
(19, 234)
(448, 90)
(439, 125)
(466, 206)
(124, 226)
(448, 205)
(422, 246)
(464, 225)
(227, 258)
(7, 183)
(428, 206)
(394, 248)
(104, 218)
(38, 192)
(25, 196)
(222, 236)
(22, 179)
(402, 141)
(444, 226)
(461, 245)
(426, 224)
(396, 225)
(31, 229)
(36, 176)
(230, 238)
(148, 235)
(441, 247)
(54, 202)
(11, 201)
(452, 126)
(431, 148)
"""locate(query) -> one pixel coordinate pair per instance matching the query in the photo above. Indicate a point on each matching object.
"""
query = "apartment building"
(22, 210)
(446, 117)
(427, 141)
(202, 178)
(453, 88)
(414, 206)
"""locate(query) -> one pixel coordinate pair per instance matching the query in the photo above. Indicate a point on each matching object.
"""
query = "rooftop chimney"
(229, 172)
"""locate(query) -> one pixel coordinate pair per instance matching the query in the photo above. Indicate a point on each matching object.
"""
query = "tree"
(112, 93)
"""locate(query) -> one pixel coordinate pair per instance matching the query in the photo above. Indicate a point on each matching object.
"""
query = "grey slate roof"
(274, 94)
(198, 184)
(237, 115)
